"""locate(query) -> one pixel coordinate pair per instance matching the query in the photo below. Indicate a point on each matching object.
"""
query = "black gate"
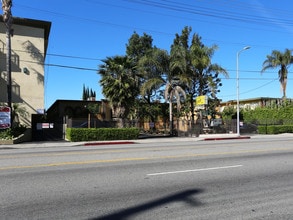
(43, 130)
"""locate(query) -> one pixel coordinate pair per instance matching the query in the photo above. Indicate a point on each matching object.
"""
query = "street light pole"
(7, 18)
(237, 85)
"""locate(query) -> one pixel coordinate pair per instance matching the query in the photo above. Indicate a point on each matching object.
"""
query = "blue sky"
(86, 31)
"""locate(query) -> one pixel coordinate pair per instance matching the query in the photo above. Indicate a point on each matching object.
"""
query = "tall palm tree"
(173, 91)
(277, 59)
(156, 71)
(119, 84)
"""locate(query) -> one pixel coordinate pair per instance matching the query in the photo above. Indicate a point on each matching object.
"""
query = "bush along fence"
(271, 119)
(101, 134)
(275, 129)
(273, 125)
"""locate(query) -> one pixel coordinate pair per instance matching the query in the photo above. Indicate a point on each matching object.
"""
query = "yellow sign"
(202, 100)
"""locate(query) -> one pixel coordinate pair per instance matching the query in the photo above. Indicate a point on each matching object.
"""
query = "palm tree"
(279, 60)
(17, 112)
(155, 67)
(193, 64)
(204, 72)
(173, 91)
(119, 84)
(152, 68)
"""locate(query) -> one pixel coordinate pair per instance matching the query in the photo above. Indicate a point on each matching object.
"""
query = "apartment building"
(253, 103)
(28, 52)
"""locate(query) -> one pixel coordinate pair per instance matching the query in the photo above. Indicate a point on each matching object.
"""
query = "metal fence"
(181, 127)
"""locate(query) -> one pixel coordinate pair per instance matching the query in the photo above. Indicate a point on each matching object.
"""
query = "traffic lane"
(150, 146)
(237, 197)
(254, 190)
(109, 187)
(247, 162)
(145, 154)
(140, 152)
(256, 196)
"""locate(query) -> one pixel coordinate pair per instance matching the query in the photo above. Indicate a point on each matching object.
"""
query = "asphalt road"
(229, 179)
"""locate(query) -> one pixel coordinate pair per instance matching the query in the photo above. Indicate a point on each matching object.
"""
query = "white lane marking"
(196, 170)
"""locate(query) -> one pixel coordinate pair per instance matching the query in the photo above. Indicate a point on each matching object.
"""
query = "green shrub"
(101, 134)
(6, 134)
(10, 133)
(275, 129)
(270, 115)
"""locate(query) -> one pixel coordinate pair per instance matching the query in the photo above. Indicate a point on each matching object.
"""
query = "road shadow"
(184, 196)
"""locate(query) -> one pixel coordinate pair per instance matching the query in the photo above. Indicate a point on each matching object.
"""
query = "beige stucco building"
(28, 51)
(253, 103)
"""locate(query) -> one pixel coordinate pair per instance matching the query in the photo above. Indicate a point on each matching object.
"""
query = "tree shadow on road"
(184, 196)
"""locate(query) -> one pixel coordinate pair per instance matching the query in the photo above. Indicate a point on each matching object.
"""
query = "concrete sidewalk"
(202, 137)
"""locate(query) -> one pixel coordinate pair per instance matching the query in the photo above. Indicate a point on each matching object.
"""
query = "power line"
(74, 57)
(176, 7)
(99, 59)
(92, 69)
(94, 20)
(245, 78)
(176, 16)
(107, 23)
(71, 67)
(214, 13)
(252, 90)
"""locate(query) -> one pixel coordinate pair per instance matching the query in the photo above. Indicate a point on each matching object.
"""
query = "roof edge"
(46, 25)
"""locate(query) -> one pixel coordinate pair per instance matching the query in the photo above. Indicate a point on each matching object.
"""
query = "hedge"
(281, 114)
(275, 129)
(101, 134)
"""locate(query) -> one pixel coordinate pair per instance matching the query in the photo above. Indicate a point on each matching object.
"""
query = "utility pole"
(7, 18)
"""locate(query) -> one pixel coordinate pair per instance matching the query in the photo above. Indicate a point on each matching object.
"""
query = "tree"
(138, 46)
(192, 63)
(84, 93)
(88, 93)
(149, 68)
(277, 59)
(18, 111)
(149, 71)
(155, 68)
(119, 84)
(137, 49)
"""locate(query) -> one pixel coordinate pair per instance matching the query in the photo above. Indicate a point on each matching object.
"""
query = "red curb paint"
(227, 138)
(108, 143)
